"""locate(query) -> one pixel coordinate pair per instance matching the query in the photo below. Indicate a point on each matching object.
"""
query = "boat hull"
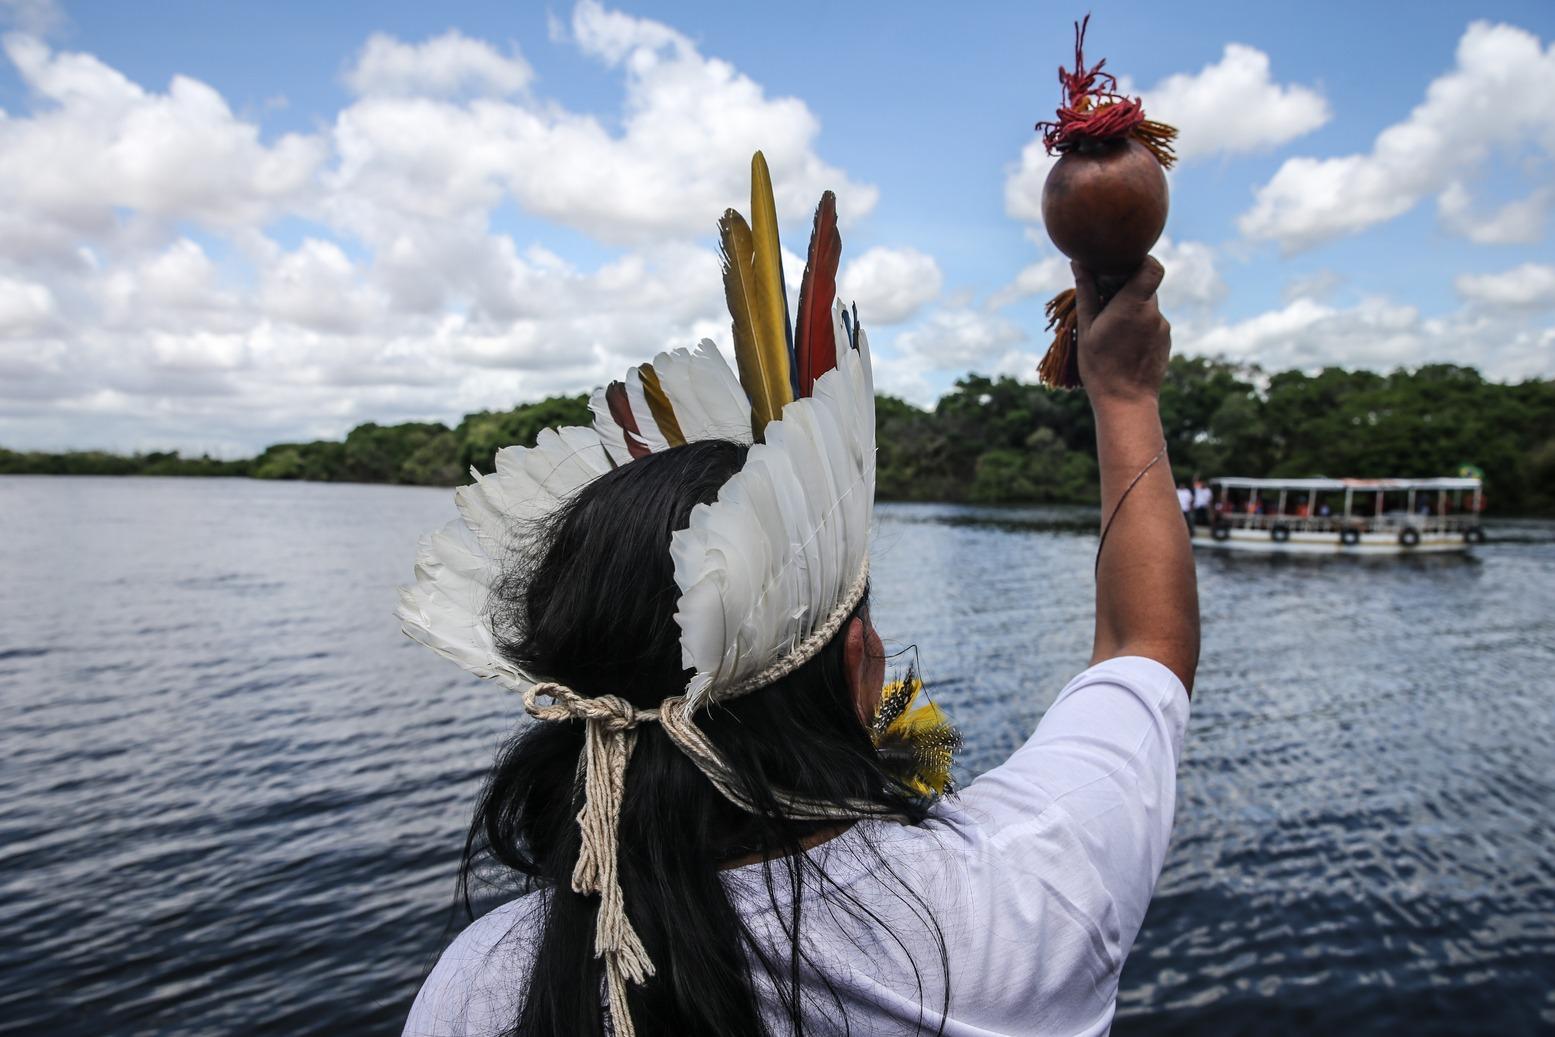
(1260, 541)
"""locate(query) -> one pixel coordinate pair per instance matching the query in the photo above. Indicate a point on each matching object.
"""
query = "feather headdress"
(763, 567)
(767, 572)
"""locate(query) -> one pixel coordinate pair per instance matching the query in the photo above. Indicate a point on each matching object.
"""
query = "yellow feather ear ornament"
(917, 744)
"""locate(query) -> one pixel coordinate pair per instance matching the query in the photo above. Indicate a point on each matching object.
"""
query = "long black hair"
(589, 601)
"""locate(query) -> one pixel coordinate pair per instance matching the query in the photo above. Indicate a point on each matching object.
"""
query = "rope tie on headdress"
(611, 725)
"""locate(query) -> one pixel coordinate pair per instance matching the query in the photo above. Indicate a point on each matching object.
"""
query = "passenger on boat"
(1201, 501)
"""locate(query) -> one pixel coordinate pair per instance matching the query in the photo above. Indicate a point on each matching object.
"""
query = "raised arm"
(1147, 600)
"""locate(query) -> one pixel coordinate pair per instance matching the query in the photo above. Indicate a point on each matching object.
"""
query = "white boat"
(1342, 516)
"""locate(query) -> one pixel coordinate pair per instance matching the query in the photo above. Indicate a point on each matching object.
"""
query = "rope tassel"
(608, 743)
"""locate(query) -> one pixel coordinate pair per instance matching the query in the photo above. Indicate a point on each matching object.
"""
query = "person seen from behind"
(763, 864)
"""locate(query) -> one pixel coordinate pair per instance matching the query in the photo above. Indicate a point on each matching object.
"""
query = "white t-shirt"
(1038, 874)
(1184, 498)
(1202, 496)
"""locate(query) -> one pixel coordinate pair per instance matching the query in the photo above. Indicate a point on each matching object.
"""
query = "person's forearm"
(1147, 599)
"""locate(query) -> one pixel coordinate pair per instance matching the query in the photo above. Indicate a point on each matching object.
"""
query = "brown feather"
(621, 411)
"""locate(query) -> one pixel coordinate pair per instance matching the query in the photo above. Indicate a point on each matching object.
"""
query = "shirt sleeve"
(476, 986)
(1101, 766)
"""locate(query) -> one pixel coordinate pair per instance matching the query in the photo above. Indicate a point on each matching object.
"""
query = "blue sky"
(393, 211)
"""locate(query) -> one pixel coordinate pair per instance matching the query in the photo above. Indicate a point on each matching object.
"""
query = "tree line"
(998, 440)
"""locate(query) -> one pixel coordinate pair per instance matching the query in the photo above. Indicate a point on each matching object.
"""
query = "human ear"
(855, 655)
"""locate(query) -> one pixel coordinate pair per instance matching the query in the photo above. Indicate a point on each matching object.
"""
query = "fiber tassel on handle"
(1060, 366)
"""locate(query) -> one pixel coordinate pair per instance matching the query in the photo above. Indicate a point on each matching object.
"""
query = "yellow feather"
(923, 735)
(762, 372)
(769, 318)
(660, 407)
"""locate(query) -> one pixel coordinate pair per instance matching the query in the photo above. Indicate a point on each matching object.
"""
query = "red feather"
(815, 340)
(621, 411)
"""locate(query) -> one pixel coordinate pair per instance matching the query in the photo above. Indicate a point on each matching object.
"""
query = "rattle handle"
(1108, 285)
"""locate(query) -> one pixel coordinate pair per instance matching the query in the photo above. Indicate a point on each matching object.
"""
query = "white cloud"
(104, 144)
(143, 302)
(173, 290)
(312, 349)
(681, 156)
(1375, 333)
(1023, 183)
(1320, 286)
(34, 17)
(1467, 115)
(1530, 286)
(692, 123)
(444, 65)
(1518, 222)
(317, 287)
(890, 284)
(1233, 106)
(1045, 278)
(960, 338)
(26, 307)
(616, 36)
(950, 340)
(197, 352)
(1192, 279)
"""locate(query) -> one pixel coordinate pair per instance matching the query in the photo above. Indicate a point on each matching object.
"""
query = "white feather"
(647, 428)
(764, 565)
(708, 400)
(446, 609)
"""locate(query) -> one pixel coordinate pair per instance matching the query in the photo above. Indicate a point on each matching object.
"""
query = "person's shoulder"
(478, 982)
(1115, 731)
(1134, 702)
(504, 930)
(1148, 678)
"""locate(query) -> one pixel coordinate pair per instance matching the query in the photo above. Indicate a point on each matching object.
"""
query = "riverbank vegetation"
(998, 440)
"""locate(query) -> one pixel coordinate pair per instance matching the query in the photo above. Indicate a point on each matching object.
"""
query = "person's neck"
(806, 844)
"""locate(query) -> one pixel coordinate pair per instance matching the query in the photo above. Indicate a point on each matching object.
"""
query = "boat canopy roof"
(1236, 482)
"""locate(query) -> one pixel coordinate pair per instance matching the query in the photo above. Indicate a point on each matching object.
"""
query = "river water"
(232, 795)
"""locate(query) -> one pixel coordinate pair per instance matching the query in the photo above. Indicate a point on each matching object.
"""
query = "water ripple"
(232, 796)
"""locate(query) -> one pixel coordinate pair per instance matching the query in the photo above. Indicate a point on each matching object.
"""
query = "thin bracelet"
(1126, 491)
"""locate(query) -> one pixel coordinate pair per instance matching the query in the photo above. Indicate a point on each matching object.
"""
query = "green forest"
(998, 440)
